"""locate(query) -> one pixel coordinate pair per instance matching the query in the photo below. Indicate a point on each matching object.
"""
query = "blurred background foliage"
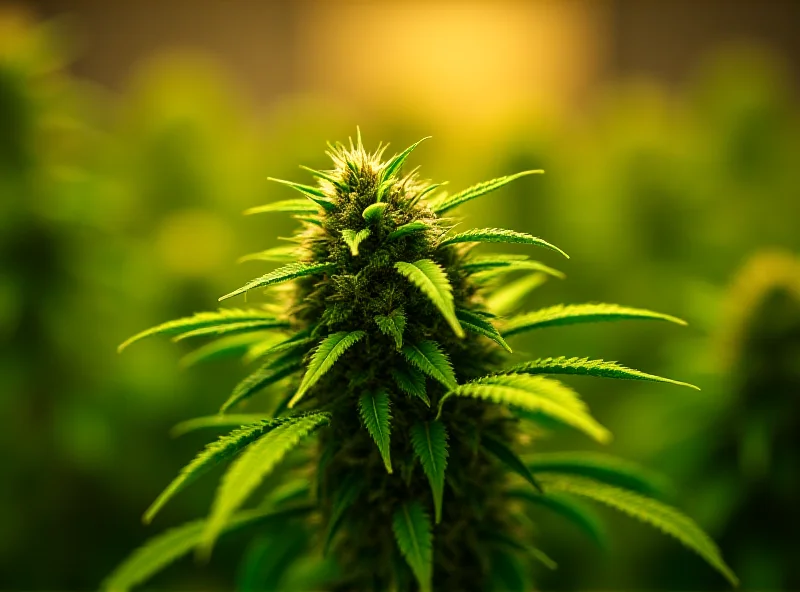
(121, 191)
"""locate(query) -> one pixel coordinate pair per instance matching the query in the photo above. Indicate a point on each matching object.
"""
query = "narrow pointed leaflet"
(375, 413)
(284, 274)
(499, 235)
(412, 531)
(569, 314)
(432, 280)
(224, 316)
(429, 440)
(533, 393)
(331, 348)
(251, 467)
(588, 367)
(428, 357)
(477, 191)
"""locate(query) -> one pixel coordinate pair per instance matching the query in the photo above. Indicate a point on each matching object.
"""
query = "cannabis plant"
(754, 455)
(405, 434)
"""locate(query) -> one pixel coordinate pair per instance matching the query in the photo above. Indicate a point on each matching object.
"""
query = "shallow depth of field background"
(133, 134)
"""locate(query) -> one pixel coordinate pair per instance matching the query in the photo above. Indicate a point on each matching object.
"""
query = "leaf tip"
(374, 211)
(604, 436)
(297, 396)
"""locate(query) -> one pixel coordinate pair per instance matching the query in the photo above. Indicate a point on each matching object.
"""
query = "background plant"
(754, 414)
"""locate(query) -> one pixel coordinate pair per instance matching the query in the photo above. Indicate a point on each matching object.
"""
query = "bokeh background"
(133, 134)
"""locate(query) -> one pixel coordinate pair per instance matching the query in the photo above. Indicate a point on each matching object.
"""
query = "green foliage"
(666, 519)
(247, 472)
(213, 454)
(429, 439)
(508, 573)
(393, 325)
(263, 566)
(483, 272)
(507, 456)
(284, 274)
(411, 381)
(503, 541)
(476, 324)
(412, 529)
(587, 367)
(410, 309)
(601, 467)
(510, 296)
(481, 263)
(173, 544)
(345, 496)
(202, 320)
(428, 357)
(243, 327)
(568, 314)
(260, 379)
(405, 229)
(277, 255)
(325, 356)
(216, 421)
(393, 166)
(293, 206)
(327, 177)
(313, 193)
(581, 516)
(353, 239)
(432, 280)
(533, 393)
(265, 349)
(229, 346)
(373, 212)
(498, 235)
(477, 190)
(374, 410)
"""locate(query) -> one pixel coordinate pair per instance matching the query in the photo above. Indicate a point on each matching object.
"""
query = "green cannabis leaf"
(393, 325)
(247, 472)
(667, 519)
(223, 449)
(353, 239)
(429, 440)
(374, 410)
(412, 528)
(580, 313)
(477, 190)
(432, 280)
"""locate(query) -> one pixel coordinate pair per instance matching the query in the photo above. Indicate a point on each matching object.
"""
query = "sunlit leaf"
(569, 314)
(432, 280)
(331, 348)
(477, 191)
(251, 467)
